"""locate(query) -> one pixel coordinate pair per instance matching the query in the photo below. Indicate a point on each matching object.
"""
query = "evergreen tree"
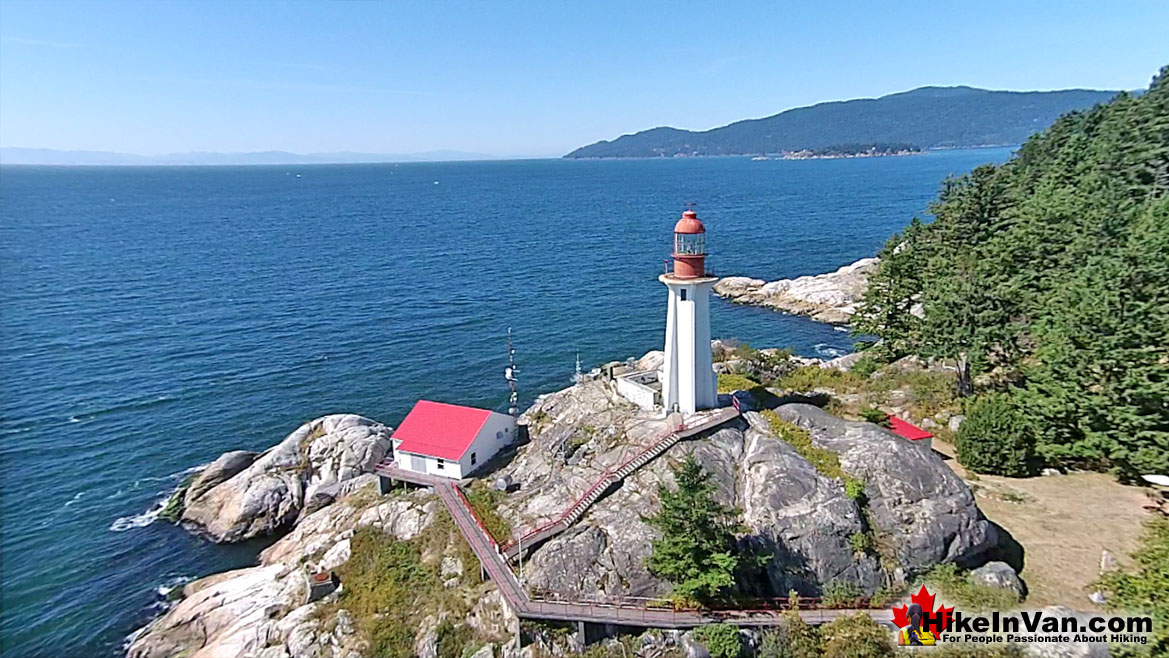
(697, 550)
(1051, 273)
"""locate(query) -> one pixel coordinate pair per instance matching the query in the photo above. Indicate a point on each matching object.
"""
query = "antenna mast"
(509, 374)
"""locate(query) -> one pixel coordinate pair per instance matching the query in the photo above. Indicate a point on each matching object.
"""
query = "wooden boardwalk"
(614, 610)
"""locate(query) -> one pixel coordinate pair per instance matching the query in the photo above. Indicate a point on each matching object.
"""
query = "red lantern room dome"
(689, 223)
(689, 247)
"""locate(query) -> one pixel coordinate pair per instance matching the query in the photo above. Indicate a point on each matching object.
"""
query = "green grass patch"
(1145, 589)
(485, 501)
(959, 590)
(826, 462)
(810, 378)
(728, 383)
(385, 580)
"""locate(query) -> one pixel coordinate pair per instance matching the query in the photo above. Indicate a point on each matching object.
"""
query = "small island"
(872, 150)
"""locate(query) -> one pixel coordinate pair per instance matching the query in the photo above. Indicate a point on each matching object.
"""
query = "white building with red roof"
(449, 440)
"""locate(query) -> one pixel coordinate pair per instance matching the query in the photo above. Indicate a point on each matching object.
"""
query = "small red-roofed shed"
(450, 440)
(909, 431)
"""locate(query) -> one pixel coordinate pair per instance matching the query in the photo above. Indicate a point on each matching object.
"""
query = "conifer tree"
(697, 550)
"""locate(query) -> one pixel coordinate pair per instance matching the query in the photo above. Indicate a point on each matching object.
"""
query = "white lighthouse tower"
(688, 380)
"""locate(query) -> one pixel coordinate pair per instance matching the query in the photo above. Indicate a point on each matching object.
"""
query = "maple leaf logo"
(934, 621)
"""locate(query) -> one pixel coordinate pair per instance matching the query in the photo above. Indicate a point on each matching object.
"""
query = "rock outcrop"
(241, 496)
(923, 514)
(830, 297)
(263, 611)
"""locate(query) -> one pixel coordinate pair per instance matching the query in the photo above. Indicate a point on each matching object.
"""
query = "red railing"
(600, 481)
(761, 605)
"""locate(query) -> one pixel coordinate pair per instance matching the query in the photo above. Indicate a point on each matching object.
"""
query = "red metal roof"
(907, 430)
(436, 429)
(689, 223)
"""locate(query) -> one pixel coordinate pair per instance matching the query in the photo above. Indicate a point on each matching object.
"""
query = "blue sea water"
(152, 318)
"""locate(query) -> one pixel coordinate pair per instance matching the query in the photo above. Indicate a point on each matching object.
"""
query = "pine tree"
(697, 549)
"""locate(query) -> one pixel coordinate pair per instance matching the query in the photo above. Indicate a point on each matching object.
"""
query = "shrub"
(1146, 588)
(875, 416)
(854, 488)
(721, 640)
(865, 366)
(861, 542)
(792, 638)
(841, 593)
(996, 438)
(855, 636)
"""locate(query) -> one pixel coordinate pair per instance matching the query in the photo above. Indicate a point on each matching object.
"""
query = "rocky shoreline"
(830, 297)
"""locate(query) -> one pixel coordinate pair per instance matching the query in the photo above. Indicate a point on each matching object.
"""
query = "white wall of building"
(632, 387)
(496, 434)
(688, 378)
(430, 465)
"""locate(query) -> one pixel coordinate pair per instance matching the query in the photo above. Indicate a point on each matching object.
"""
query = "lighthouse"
(688, 380)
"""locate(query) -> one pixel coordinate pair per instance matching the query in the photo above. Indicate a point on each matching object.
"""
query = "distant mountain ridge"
(32, 156)
(929, 117)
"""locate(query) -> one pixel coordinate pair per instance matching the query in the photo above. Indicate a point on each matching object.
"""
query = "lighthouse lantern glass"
(690, 243)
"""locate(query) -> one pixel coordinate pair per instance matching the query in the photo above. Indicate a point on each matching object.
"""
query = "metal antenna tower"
(509, 374)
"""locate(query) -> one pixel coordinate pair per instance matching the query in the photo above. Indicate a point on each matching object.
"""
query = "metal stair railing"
(610, 478)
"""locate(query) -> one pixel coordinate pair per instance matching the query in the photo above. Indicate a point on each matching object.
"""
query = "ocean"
(152, 318)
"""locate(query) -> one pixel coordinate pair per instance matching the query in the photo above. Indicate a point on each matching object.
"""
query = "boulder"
(219, 471)
(999, 575)
(926, 511)
(269, 493)
(955, 422)
(802, 518)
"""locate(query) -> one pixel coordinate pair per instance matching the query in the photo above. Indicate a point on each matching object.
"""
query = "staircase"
(611, 478)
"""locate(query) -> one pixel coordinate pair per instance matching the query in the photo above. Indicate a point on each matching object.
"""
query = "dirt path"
(1063, 522)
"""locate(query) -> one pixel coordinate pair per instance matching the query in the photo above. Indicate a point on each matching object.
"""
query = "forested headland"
(1046, 281)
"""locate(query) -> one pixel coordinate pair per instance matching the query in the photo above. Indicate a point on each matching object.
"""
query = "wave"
(76, 497)
(136, 405)
(827, 351)
(124, 523)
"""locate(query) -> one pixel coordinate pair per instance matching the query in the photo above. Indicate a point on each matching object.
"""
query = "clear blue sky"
(517, 78)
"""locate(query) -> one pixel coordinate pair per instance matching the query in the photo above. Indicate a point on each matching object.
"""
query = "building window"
(441, 463)
(683, 293)
(473, 459)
